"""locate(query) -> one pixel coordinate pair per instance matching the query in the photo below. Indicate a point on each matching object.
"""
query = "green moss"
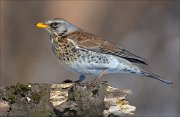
(21, 88)
(36, 97)
(11, 92)
(12, 98)
(17, 97)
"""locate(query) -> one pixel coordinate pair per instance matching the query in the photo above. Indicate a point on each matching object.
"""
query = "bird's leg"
(100, 76)
(81, 78)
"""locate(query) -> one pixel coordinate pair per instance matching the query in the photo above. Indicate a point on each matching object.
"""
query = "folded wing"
(85, 40)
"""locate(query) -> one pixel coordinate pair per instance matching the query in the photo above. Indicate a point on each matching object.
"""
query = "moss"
(17, 97)
(8, 96)
(12, 92)
(21, 88)
(11, 98)
(36, 97)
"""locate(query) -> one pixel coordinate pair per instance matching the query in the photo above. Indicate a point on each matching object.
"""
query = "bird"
(88, 54)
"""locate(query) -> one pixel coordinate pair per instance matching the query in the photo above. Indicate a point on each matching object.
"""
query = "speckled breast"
(65, 50)
(82, 60)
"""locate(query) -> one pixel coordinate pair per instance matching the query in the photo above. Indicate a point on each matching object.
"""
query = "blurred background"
(149, 29)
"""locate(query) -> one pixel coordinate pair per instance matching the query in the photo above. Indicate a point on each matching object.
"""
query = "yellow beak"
(41, 25)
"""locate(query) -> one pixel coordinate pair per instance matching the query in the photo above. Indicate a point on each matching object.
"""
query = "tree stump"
(64, 100)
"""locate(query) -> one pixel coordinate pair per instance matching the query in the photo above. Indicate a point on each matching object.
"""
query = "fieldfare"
(88, 54)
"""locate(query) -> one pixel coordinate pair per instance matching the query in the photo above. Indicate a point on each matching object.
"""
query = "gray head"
(57, 26)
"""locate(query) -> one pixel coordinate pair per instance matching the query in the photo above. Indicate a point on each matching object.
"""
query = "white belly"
(87, 67)
(114, 65)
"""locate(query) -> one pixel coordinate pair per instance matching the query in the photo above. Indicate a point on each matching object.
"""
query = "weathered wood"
(65, 100)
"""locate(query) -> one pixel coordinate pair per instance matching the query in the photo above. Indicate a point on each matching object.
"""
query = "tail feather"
(154, 76)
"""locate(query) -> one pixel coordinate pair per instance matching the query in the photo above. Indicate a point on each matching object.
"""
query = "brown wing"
(89, 41)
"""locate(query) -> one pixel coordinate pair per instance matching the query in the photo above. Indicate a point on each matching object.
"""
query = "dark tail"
(154, 76)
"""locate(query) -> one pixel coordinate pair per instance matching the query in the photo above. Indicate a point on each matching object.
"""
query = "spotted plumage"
(88, 54)
(64, 50)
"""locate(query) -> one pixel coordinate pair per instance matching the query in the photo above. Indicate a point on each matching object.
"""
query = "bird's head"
(57, 26)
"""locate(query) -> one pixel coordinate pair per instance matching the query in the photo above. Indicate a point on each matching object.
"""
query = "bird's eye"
(54, 25)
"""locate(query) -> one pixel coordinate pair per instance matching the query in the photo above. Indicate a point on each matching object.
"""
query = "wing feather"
(85, 40)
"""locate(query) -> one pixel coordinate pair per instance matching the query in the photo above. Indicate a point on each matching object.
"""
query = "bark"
(64, 100)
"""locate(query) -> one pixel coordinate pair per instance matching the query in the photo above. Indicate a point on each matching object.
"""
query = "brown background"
(148, 29)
